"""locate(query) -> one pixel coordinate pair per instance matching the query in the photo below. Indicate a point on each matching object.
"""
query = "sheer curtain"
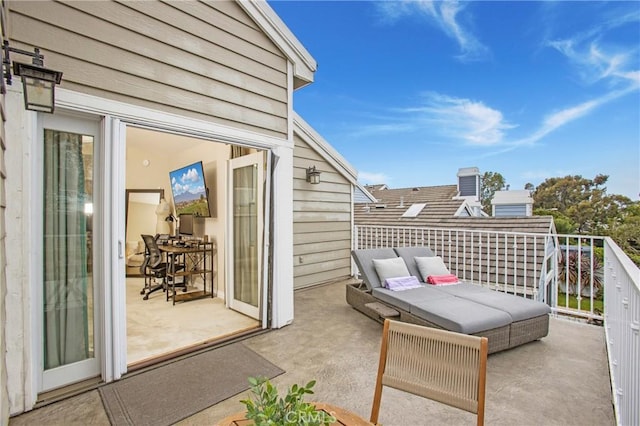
(66, 277)
(245, 235)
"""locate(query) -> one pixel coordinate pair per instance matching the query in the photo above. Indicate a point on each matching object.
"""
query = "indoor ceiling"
(153, 140)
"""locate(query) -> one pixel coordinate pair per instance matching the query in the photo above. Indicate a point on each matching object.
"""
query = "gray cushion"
(390, 268)
(408, 254)
(363, 259)
(405, 299)
(433, 265)
(460, 315)
(518, 307)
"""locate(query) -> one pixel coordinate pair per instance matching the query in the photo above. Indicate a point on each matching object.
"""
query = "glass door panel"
(68, 319)
(246, 225)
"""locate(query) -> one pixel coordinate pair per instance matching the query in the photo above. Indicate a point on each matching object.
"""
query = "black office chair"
(154, 268)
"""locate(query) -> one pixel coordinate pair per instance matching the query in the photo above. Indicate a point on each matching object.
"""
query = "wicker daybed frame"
(360, 297)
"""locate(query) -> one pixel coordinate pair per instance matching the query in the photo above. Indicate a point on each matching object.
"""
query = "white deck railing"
(526, 264)
(622, 328)
(534, 265)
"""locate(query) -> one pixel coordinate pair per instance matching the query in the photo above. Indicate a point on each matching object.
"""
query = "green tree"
(584, 202)
(491, 182)
(626, 231)
(564, 225)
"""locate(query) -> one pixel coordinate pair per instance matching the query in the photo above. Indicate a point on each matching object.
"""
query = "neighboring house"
(512, 203)
(214, 82)
(448, 219)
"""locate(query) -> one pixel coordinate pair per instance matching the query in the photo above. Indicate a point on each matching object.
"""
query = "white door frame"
(117, 116)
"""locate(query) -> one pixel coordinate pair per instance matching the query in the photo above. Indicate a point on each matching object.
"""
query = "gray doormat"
(172, 392)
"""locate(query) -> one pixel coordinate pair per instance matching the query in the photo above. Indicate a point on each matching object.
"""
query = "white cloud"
(179, 188)
(444, 15)
(567, 115)
(190, 176)
(471, 121)
(459, 120)
(596, 61)
(594, 64)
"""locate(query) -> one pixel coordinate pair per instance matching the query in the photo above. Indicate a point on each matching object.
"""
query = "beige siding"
(206, 60)
(321, 220)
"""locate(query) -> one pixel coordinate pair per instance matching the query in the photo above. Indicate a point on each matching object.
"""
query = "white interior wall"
(152, 155)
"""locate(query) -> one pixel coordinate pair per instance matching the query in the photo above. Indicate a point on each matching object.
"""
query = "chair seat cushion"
(519, 308)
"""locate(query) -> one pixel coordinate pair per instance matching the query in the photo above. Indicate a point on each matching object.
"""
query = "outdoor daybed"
(506, 320)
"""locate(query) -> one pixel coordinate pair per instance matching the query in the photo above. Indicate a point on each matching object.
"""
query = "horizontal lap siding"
(321, 220)
(202, 60)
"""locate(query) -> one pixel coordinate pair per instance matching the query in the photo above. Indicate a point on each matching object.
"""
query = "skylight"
(414, 210)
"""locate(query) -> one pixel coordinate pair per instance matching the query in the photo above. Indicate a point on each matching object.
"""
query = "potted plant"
(267, 407)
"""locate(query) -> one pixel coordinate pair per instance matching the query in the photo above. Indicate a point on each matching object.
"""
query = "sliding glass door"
(69, 321)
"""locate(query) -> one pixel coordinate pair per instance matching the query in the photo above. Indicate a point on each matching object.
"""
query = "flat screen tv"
(189, 190)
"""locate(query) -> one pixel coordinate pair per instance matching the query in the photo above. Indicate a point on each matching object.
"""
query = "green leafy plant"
(576, 268)
(266, 407)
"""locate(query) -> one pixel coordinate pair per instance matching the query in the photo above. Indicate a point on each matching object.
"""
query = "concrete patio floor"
(562, 379)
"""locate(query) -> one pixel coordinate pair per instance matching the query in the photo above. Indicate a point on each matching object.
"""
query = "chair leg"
(151, 289)
(377, 395)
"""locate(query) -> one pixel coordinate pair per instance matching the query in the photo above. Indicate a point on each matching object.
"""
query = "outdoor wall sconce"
(38, 83)
(313, 175)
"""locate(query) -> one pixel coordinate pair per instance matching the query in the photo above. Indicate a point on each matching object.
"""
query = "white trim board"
(158, 120)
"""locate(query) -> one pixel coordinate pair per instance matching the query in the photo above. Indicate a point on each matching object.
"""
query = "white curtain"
(66, 334)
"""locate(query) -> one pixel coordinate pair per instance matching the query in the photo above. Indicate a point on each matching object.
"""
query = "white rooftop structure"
(512, 203)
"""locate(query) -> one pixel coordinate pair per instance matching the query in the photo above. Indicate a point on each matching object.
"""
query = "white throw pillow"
(390, 268)
(432, 265)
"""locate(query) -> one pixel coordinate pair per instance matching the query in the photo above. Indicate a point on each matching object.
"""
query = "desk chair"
(441, 365)
(153, 268)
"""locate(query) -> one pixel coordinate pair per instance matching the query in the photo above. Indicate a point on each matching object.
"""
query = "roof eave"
(322, 147)
(304, 65)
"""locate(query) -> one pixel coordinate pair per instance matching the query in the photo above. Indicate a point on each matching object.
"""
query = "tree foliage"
(626, 232)
(583, 201)
(580, 205)
(491, 182)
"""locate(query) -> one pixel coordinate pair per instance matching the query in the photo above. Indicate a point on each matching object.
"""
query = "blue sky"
(409, 92)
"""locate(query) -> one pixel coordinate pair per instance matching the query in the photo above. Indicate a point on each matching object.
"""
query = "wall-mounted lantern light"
(313, 175)
(38, 82)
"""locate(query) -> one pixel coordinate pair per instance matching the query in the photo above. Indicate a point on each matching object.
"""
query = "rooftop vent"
(469, 182)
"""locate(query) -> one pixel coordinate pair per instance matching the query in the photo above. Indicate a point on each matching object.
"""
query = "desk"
(194, 258)
(341, 416)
